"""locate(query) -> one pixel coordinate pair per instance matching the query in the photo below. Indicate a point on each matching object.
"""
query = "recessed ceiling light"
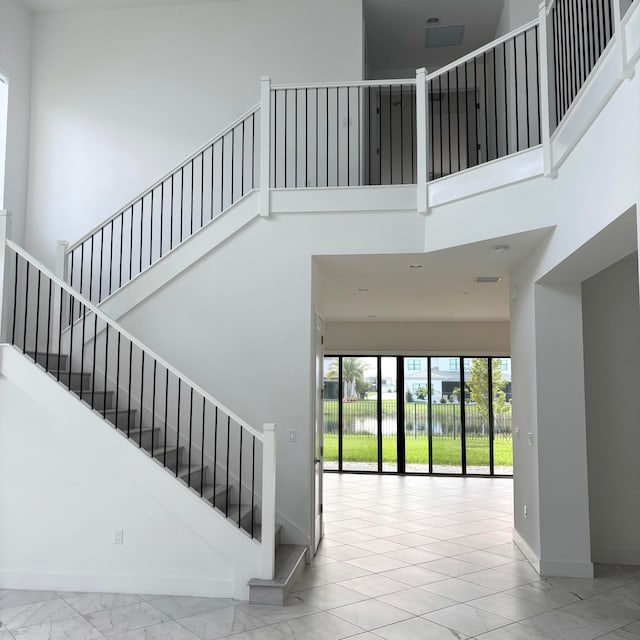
(363, 289)
(487, 279)
(415, 266)
(433, 20)
(501, 248)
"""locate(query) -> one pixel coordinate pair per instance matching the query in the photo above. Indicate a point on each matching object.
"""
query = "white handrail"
(104, 317)
(166, 176)
(346, 83)
(483, 49)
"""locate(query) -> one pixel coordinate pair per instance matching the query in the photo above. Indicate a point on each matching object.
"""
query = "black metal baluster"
(286, 110)
(253, 149)
(233, 154)
(506, 104)
(153, 407)
(59, 322)
(141, 400)
(212, 177)
(222, 174)
(538, 87)
(131, 245)
(306, 137)
(226, 508)
(202, 181)
(181, 201)
(91, 272)
(495, 101)
(401, 134)
(515, 74)
(390, 135)
(106, 367)
(204, 423)
(526, 88)
(26, 305)
(295, 137)
(118, 380)
(348, 136)
(171, 216)
(73, 255)
(431, 164)
(240, 481)
(253, 470)
(190, 436)
(458, 119)
(93, 372)
(486, 107)
(129, 391)
(38, 311)
(192, 190)
(84, 315)
(441, 126)
(161, 215)
(274, 110)
(359, 141)
(49, 314)
(121, 248)
(101, 264)
(215, 455)
(80, 289)
(178, 423)
(337, 137)
(317, 139)
(380, 134)
(110, 256)
(327, 134)
(151, 230)
(141, 230)
(166, 415)
(72, 304)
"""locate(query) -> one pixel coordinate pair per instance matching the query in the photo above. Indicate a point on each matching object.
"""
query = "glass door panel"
(477, 415)
(502, 424)
(416, 414)
(446, 422)
(330, 412)
(359, 414)
(389, 413)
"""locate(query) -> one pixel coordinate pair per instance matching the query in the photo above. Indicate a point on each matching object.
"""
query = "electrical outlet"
(292, 435)
(118, 537)
(525, 510)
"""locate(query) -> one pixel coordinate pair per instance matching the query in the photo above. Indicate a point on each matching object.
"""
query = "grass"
(446, 451)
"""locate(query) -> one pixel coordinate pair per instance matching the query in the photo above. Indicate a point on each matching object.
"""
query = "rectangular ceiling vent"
(443, 36)
(487, 279)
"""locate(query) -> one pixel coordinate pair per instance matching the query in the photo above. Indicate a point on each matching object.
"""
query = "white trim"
(338, 84)
(526, 550)
(105, 318)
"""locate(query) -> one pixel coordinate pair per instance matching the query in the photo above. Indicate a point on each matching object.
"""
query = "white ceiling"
(442, 290)
(395, 33)
(62, 5)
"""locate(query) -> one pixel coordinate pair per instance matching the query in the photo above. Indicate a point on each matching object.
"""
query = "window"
(414, 364)
(504, 365)
(454, 364)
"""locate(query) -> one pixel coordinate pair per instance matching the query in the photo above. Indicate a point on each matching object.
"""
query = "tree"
(478, 385)
(352, 374)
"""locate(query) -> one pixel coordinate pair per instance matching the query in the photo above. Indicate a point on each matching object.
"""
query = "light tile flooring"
(403, 558)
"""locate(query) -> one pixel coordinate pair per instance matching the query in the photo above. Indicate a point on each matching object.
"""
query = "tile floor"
(403, 558)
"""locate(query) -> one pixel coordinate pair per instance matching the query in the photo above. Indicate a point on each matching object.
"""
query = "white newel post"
(422, 141)
(4, 273)
(61, 272)
(268, 501)
(547, 88)
(265, 144)
(626, 70)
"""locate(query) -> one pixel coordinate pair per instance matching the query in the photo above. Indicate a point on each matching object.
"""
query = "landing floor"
(403, 558)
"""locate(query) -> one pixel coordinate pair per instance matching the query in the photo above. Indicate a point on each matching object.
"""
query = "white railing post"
(546, 90)
(422, 141)
(268, 501)
(4, 273)
(60, 271)
(626, 70)
(265, 145)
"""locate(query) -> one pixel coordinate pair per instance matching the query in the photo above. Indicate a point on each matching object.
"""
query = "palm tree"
(352, 373)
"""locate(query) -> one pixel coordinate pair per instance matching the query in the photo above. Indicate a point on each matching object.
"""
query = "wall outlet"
(292, 435)
(525, 510)
(118, 537)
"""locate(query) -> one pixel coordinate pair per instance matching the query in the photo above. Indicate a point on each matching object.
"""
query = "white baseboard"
(526, 550)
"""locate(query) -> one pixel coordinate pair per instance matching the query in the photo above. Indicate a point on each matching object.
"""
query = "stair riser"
(147, 437)
(124, 419)
(171, 460)
(97, 400)
(55, 361)
(195, 479)
(76, 382)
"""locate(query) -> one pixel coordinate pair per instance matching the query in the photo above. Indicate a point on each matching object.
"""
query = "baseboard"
(152, 585)
(526, 550)
(552, 568)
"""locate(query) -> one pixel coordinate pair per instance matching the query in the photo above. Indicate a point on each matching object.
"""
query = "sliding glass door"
(408, 414)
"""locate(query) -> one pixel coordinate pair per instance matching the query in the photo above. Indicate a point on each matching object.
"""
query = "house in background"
(104, 101)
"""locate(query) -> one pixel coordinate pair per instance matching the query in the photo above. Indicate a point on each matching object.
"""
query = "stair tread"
(288, 558)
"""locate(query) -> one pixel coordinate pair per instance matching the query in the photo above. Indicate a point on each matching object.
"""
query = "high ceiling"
(395, 33)
(443, 289)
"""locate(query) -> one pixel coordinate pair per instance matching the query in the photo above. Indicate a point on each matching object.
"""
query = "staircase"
(207, 448)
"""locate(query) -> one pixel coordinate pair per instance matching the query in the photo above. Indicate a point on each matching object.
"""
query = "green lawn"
(446, 451)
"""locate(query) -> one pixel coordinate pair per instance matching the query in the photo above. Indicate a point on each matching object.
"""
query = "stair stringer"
(174, 541)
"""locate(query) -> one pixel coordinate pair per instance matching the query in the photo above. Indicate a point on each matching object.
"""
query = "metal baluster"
(141, 401)
(178, 423)
(166, 413)
(153, 407)
(49, 314)
(253, 471)
(204, 423)
(190, 436)
(215, 455)
(106, 368)
(129, 391)
(26, 305)
(226, 508)
(101, 264)
(240, 481)
(38, 311)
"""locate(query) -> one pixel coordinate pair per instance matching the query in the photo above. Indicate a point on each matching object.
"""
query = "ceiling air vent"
(443, 36)
(487, 279)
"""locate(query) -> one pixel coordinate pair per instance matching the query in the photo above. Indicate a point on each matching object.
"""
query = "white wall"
(469, 338)
(611, 328)
(15, 64)
(239, 323)
(121, 96)
(68, 481)
(516, 13)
